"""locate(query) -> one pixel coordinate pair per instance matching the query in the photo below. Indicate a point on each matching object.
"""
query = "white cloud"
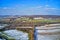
(30, 11)
(46, 5)
(5, 8)
(48, 8)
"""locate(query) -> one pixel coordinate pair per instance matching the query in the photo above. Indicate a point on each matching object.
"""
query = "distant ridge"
(45, 16)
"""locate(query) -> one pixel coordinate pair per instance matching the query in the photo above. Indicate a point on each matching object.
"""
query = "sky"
(29, 7)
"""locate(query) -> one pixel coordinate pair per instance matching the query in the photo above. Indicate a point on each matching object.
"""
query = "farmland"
(27, 23)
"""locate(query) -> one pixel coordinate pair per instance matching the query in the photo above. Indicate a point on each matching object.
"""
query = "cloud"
(47, 5)
(5, 8)
(37, 10)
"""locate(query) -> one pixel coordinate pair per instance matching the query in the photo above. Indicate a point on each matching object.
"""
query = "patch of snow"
(18, 35)
(48, 37)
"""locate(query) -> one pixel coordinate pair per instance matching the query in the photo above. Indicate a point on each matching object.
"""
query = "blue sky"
(29, 7)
